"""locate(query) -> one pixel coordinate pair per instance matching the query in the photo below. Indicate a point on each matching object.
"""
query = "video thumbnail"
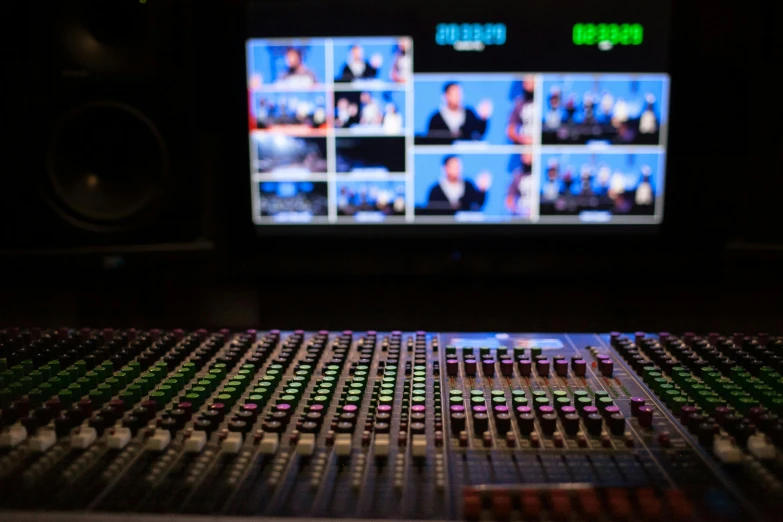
(371, 154)
(378, 112)
(493, 109)
(384, 197)
(625, 184)
(495, 185)
(368, 60)
(296, 65)
(299, 113)
(580, 109)
(293, 200)
(283, 154)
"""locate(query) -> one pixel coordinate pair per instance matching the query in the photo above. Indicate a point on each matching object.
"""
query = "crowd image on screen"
(455, 120)
(453, 192)
(283, 154)
(368, 111)
(618, 112)
(371, 155)
(293, 198)
(387, 198)
(291, 112)
(572, 187)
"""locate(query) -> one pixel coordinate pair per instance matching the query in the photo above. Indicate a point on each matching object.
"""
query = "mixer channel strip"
(400, 425)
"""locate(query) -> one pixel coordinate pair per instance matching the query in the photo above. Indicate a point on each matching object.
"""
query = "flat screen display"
(459, 116)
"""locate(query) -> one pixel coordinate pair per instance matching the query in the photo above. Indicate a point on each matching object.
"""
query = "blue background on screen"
(628, 164)
(269, 59)
(429, 168)
(383, 46)
(618, 86)
(428, 94)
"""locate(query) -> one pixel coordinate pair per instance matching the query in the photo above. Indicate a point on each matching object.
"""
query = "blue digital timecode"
(487, 34)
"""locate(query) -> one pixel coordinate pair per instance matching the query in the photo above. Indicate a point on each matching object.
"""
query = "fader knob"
(616, 424)
(480, 423)
(594, 423)
(548, 423)
(561, 367)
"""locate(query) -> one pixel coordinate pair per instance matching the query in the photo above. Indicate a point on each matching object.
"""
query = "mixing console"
(391, 424)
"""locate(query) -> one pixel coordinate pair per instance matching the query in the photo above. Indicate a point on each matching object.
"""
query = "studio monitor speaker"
(100, 127)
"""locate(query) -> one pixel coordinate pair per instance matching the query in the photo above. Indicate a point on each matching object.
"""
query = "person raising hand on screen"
(453, 193)
(455, 120)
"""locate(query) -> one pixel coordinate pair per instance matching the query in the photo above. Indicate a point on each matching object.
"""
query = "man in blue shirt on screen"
(457, 122)
(453, 193)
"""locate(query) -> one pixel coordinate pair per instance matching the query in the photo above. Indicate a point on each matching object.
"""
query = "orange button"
(618, 503)
(680, 507)
(501, 505)
(589, 504)
(471, 506)
(531, 504)
(560, 504)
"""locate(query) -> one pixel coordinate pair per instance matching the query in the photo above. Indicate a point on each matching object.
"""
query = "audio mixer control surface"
(396, 425)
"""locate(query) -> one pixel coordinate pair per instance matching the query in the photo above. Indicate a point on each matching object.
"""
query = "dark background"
(715, 266)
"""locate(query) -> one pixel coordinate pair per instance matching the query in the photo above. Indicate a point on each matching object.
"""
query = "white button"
(43, 440)
(13, 436)
(725, 450)
(382, 445)
(84, 438)
(120, 437)
(269, 443)
(342, 444)
(760, 448)
(196, 442)
(159, 441)
(306, 444)
(419, 446)
(232, 443)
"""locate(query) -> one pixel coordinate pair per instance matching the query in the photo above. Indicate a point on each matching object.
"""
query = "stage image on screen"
(616, 109)
(370, 200)
(600, 185)
(356, 130)
(292, 201)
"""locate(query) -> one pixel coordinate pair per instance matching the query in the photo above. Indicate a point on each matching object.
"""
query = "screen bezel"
(452, 230)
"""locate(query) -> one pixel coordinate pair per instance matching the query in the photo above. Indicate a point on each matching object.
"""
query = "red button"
(501, 505)
(561, 504)
(471, 507)
(531, 504)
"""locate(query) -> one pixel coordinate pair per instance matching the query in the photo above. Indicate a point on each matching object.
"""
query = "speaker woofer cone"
(107, 164)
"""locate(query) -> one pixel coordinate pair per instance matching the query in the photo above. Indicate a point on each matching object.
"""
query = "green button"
(455, 392)
(581, 393)
(560, 402)
(451, 349)
(144, 384)
(288, 399)
(115, 384)
(324, 391)
(603, 402)
(386, 399)
(520, 401)
(96, 396)
(66, 398)
(581, 402)
(35, 398)
(419, 379)
(134, 393)
(56, 383)
(497, 393)
(159, 398)
(47, 390)
(540, 401)
(559, 393)
(418, 399)
(260, 400)
(128, 398)
(195, 399)
(230, 390)
(456, 399)
(419, 374)
(353, 399)
(46, 371)
(76, 389)
(226, 399)
(17, 372)
(235, 384)
(65, 378)
(535, 351)
(477, 399)
(27, 383)
(477, 393)
(539, 393)
(677, 403)
(518, 393)
(54, 364)
(167, 391)
(355, 392)
(498, 400)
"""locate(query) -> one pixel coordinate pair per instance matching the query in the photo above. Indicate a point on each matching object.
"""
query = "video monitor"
(453, 115)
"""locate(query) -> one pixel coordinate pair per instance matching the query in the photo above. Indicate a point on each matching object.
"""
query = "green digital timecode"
(607, 36)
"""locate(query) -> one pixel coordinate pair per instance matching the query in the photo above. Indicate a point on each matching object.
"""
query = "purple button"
(589, 410)
(421, 332)
(396, 333)
(523, 410)
(250, 407)
(298, 332)
(636, 402)
(602, 356)
(479, 409)
(567, 410)
(384, 408)
(611, 410)
(545, 410)
(251, 332)
(274, 332)
(350, 408)
(500, 409)
(283, 407)
(418, 408)
(323, 332)
(372, 333)
(457, 408)
(317, 407)
(348, 333)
